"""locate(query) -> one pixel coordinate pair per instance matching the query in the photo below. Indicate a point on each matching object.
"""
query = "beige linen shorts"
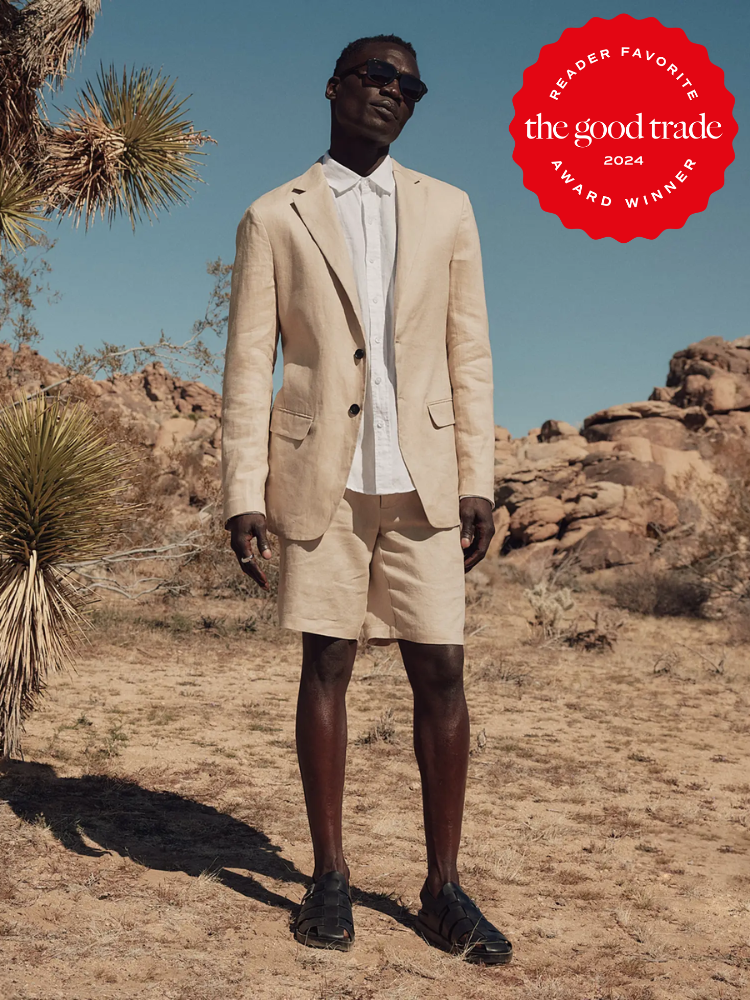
(380, 571)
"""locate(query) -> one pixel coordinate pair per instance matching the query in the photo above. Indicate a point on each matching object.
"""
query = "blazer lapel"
(411, 215)
(315, 206)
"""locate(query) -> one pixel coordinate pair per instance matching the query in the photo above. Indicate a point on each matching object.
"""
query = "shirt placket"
(376, 308)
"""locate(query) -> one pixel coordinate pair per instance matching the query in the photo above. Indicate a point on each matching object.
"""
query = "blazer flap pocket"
(441, 412)
(289, 423)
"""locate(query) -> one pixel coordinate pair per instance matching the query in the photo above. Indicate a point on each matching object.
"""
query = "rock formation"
(609, 491)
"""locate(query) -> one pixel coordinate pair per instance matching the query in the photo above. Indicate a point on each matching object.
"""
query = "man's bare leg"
(441, 745)
(327, 664)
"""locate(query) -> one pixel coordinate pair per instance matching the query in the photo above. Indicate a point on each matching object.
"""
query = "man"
(375, 465)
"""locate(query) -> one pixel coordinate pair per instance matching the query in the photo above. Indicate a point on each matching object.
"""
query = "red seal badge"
(623, 128)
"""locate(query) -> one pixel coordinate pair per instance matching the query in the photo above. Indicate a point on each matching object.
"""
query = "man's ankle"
(437, 877)
(331, 865)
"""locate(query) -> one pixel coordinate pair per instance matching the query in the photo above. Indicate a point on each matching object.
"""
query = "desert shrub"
(598, 635)
(554, 625)
(550, 606)
(660, 592)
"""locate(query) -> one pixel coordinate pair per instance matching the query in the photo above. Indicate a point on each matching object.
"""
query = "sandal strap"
(457, 918)
(326, 909)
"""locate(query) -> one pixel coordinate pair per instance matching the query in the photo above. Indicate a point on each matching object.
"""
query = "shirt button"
(377, 380)
(359, 353)
(354, 409)
(380, 423)
(371, 260)
(377, 340)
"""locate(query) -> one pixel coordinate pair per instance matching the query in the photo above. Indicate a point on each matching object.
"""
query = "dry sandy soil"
(154, 841)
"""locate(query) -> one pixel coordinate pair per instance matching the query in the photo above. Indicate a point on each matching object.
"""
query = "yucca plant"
(125, 149)
(61, 500)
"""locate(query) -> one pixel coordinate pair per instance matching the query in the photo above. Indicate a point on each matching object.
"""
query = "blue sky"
(576, 324)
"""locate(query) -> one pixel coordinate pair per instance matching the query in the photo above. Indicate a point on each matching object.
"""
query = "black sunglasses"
(381, 73)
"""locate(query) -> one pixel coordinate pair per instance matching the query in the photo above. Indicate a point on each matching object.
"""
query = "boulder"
(593, 500)
(634, 411)
(638, 447)
(194, 397)
(174, 432)
(737, 422)
(552, 429)
(707, 356)
(602, 548)
(576, 530)
(677, 465)
(627, 471)
(649, 511)
(567, 449)
(521, 485)
(537, 520)
(717, 393)
(663, 393)
(659, 430)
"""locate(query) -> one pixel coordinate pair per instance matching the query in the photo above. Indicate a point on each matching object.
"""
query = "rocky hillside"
(611, 489)
(608, 491)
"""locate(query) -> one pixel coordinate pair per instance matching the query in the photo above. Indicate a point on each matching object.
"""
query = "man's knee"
(327, 659)
(437, 671)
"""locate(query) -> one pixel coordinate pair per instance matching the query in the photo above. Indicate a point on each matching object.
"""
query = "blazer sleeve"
(470, 363)
(247, 390)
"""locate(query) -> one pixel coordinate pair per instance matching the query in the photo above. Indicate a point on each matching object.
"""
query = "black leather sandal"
(452, 921)
(325, 916)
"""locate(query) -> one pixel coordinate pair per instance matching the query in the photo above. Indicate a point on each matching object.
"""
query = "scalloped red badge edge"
(546, 200)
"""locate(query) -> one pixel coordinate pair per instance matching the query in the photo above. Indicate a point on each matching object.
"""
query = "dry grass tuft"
(384, 731)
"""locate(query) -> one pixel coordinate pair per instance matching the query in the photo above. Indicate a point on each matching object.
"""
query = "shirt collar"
(341, 178)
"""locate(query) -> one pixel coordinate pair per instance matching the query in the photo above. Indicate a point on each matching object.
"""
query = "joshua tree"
(125, 149)
(61, 489)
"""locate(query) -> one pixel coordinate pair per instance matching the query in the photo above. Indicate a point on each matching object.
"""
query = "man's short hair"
(360, 43)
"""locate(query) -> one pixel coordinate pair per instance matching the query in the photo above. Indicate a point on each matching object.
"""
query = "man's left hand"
(477, 529)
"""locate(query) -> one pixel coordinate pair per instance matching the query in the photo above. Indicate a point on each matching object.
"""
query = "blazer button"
(354, 409)
(359, 353)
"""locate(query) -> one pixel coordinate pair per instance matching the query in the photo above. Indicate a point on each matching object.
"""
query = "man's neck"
(362, 158)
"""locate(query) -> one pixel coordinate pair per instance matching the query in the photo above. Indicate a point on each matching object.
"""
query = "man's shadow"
(160, 830)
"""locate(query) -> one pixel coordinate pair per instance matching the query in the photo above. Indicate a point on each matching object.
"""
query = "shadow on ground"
(159, 830)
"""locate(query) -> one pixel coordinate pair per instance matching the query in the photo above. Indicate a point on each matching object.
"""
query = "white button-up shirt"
(366, 208)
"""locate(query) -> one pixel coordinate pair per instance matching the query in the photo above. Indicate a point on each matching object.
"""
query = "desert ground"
(154, 841)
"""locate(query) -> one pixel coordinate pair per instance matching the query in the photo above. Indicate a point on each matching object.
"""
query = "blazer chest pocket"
(441, 411)
(290, 423)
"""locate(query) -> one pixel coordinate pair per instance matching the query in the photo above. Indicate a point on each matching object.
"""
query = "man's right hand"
(243, 528)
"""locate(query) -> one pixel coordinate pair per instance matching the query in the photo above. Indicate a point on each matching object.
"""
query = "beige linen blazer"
(293, 277)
